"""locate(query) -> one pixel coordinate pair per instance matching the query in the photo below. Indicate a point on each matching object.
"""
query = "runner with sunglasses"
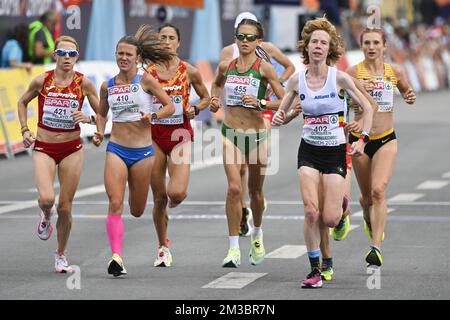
(321, 159)
(244, 133)
(284, 68)
(57, 144)
(375, 168)
(173, 136)
(129, 154)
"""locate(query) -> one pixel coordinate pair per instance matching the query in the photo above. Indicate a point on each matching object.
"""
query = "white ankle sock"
(233, 241)
(256, 231)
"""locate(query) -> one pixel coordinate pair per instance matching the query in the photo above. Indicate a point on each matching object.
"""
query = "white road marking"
(22, 205)
(234, 280)
(432, 185)
(406, 197)
(360, 213)
(287, 252)
(446, 175)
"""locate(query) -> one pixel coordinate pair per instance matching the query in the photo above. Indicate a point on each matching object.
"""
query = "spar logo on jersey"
(134, 88)
(61, 103)
(334, 119)
(317, 120)
(119, 90)
(254, 82)
(177, 99)
(388, 86)
(240, 80)
(74, 104)
(378, 85)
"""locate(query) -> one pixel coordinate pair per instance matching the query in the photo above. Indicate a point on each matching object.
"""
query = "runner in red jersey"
(57, 145)
(172, 136)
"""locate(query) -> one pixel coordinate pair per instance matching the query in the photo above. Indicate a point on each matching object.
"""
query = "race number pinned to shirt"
(324, 130)
(237, 86)
(122, 100)
(57, 111)
(383, 94)
(177, 117)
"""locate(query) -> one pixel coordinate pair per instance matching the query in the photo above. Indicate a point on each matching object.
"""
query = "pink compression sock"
(114, 228)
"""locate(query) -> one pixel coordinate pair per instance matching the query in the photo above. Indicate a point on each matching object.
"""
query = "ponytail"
(149, 46)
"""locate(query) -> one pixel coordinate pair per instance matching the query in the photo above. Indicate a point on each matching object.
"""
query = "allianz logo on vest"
(332, 95)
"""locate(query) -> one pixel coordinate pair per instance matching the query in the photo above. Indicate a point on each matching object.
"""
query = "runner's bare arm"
(403, 84)
(90, 92)
(288, 99)
(268, 72)
(281, 58)
(346, 82)
(101, 114)
(217, 85)
(31, 93)
(197, 82)
(150, 84)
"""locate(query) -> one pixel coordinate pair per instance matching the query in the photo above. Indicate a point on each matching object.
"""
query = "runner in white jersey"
(321, 157)
(129, 154)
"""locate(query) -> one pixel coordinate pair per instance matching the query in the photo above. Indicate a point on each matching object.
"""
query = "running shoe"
(61, 264)
(116, 267)
(245, 228)
(368, 231)
(164, 258)
(233, 258)
(45, 227)
(313, 280)
(257, 250)
(374, 258)
(326, 272)
(341, 231)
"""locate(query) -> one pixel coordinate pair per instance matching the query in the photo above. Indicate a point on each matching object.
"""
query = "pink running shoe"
(313, 280)
(44, 228)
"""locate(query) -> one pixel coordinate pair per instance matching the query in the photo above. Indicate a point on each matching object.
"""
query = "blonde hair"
(336, 49)
(66, 39)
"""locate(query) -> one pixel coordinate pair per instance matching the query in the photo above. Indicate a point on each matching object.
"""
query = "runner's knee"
(311, 213)
(234, 190)
(137, 210)
(177, 196)
(65, 209)
(378, 192)
(46, 202)
(160, 200)
(115, 205)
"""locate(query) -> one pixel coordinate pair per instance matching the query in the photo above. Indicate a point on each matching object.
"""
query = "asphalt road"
(415, 252)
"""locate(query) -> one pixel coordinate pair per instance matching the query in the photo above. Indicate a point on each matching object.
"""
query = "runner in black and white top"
(322, 152)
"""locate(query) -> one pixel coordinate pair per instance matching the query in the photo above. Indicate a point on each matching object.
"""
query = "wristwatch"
(364, 136)
(154, 116)
(196, 110)
(262, 104)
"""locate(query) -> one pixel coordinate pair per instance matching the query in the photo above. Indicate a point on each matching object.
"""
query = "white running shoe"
(164, 258)
(116, 266)
(45, 227)
(61, 264)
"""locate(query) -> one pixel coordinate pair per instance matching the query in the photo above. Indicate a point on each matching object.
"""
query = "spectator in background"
(40, 38)
(15, 48)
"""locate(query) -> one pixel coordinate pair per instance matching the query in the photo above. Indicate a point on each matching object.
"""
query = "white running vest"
(127, 100)
(323, 112)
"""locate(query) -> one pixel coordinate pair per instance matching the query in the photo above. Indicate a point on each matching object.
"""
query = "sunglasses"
(249, 37)
(62, 53)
